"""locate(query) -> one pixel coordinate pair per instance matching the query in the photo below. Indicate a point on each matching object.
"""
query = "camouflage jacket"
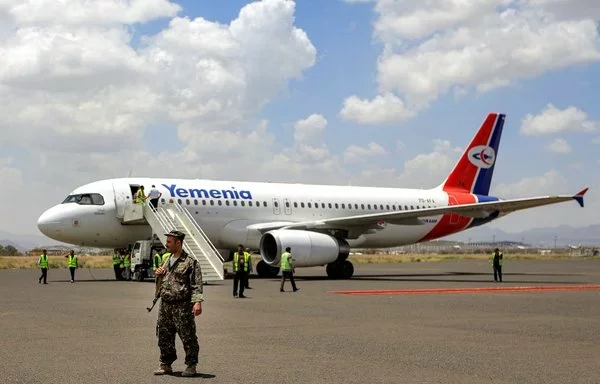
(183, 282)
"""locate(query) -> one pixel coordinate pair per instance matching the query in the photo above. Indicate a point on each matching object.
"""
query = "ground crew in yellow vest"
(165, 256)
(181, 299)
(287, 269)
(127, 265)
(240, 271)
(72, 264)
(43, 263)
(496, 259)
(157, 260)
(140, 196)
(117, 264)
(249, 268)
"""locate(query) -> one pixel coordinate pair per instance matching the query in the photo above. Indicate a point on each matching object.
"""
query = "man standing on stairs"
(181, 299)
(154, 195)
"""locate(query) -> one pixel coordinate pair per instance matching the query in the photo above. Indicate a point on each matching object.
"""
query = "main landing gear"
(265, 270)
(340, 270)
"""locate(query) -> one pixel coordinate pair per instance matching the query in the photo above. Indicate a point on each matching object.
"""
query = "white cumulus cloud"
(553, 120)
(559, 146)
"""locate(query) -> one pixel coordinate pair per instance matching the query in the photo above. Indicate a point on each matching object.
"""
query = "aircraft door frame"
(453, 216)
(287, 206)
(276, 206)
(123, 198)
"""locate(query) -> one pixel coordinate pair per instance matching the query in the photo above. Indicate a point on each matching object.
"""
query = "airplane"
(321, 223)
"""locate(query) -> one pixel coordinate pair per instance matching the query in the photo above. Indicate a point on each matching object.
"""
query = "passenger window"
(203, 202)
(227, 203)
(187, 201)
(295, 205)
(330, 206)
(219, 202)
(264, 203)
(235, 203)
(302, 205)
(249, 203)
(362, 206)
(336, 206)
(287, 204)
(411, 207)
(309, 206)
(212, 202)
(343, 206)
(387, 207)
(276, 204)
(375, 206)
(368, 206)
(243, 203)
(179, 201)
(323, 205)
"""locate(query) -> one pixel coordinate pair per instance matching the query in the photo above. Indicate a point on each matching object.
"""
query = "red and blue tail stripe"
(473, 172)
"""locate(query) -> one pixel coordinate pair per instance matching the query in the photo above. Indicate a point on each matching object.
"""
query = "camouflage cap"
(177, 234)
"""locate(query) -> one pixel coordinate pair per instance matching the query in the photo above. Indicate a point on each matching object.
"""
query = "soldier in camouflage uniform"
(181, 299)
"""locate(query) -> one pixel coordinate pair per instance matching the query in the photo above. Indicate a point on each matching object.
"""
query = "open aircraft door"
(123, 197)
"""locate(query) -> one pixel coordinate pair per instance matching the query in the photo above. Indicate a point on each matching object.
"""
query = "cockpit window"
(85, 199)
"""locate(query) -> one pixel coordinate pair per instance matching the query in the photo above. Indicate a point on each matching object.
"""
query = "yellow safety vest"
(286, 265)
(236, 261)
(127, 261)
(157, 262)
(500, 258)
(140, 197)
(72, 261)
(116, 259)
(44, 261)
(166, 256)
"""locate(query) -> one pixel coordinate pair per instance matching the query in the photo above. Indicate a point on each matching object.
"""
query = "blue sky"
(193, 95)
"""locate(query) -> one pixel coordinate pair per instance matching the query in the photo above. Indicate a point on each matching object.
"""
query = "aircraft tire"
(264, 270)
(340, 270)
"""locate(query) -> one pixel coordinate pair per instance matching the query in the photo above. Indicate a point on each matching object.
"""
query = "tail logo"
(482, 156)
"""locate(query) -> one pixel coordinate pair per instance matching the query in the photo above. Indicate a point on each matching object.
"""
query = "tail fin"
(473, 172)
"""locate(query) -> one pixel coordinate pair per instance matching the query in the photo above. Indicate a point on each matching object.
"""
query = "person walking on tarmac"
(240, 270)
(73, 264)
(43, 263)
(181, 299)
(287, 269)
(497, 259)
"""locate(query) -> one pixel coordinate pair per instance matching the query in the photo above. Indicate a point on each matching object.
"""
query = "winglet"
(579, 197)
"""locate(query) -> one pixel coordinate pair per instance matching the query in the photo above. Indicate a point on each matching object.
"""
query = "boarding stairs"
(173, 216)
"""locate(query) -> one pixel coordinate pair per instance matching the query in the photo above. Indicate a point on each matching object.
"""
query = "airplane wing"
(413, 217)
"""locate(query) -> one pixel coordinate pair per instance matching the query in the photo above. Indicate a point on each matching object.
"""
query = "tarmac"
(97, 330)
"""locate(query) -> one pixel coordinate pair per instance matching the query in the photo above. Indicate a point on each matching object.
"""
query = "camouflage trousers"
(177, 318)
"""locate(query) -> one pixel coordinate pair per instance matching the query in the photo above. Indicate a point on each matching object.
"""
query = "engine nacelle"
(309, 249)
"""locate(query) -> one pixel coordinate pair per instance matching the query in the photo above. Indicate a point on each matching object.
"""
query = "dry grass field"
(86, 261)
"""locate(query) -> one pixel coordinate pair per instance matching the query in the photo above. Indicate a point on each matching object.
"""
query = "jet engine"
(309, 249)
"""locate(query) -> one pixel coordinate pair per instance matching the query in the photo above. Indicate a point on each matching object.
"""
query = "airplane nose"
(49, 222)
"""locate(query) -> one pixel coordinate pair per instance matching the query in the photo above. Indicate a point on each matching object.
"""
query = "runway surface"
(98, 330)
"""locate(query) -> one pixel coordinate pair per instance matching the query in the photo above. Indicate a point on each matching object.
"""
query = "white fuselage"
(225, 208)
